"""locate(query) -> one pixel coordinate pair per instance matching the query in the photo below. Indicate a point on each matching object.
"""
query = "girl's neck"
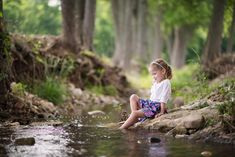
(159, 80)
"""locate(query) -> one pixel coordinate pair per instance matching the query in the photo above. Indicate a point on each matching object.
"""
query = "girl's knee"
(134, 114)
(134, 97)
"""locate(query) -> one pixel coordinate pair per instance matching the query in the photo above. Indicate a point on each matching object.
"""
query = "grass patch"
(103, 90)
(190, 83)
(52, 90)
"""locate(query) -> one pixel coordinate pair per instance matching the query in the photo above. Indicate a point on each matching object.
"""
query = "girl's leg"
(132, 119)
(134, 102)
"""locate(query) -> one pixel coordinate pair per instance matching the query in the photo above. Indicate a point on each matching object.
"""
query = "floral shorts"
(149, 107)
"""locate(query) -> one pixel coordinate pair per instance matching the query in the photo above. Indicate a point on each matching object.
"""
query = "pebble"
(206, 153)
(154, 140)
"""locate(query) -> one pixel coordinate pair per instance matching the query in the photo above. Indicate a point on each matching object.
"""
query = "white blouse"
(161, 92)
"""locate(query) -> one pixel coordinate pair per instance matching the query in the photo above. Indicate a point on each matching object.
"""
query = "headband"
(158, 64)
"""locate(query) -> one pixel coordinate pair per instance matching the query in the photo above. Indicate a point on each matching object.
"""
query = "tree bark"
(157, 41)
(79, 20)
(231, 37)
(78, 24)
(141, 30)
(5, 59)
(68, 24)
(117, 16)
(122, 13)
(89, 24)
(178, 55)
(212, 47)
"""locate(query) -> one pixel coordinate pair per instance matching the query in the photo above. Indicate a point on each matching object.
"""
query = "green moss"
(87, 53)
(18, 88)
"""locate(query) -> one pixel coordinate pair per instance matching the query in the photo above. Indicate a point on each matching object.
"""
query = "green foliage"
(52, 90)
(56, 66)
(104, 34)
(227, 90)
(103, 90)
(210, 122)
(227, 108)
(18, 88)
(190, 83)
(34, 17)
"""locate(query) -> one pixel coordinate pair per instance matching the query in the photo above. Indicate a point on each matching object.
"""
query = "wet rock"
(206, 153)
(181, 136)
(154, 140)
(96, 112)
(193, 121)
(192, 131)
(25, 141)
(77, 92)
(180, 130)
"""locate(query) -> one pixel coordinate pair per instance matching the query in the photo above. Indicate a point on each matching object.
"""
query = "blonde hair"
(161, 64)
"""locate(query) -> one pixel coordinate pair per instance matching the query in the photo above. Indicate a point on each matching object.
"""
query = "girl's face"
(157, 74)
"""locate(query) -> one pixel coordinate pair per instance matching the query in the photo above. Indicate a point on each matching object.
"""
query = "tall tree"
(89, 24)
(78, 24)
(155, 32)
(181, 37)
(212, 47)
(5, 59)
(122, 14)
(68, 24)
(141, 42)
(231, 32)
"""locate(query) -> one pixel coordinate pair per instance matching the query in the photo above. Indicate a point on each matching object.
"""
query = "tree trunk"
(157, 41)
(141, 30)
(178, 55)
(212, 48)
(5, 59)
(78, 24)
(89, 23)
(231, 37)
(68, 24)
(79, 19)
(170, 42)
(122, 13)
(117, 10)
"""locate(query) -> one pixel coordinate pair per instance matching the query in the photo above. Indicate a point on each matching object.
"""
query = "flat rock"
(25, 141)
(193, 121)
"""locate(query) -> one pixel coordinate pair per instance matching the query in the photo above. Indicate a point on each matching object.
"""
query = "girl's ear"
(164, 72)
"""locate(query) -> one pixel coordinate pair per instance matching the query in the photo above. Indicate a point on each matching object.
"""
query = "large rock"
(193, 121)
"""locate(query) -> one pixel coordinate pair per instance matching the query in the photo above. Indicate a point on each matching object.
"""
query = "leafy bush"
(52, 89)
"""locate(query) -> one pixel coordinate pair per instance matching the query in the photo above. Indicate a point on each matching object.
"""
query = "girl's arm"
(163, 109)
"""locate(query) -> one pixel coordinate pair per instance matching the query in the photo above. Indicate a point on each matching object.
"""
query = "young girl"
(160, 93)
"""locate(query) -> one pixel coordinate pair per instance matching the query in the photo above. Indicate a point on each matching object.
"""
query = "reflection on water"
(86, 139)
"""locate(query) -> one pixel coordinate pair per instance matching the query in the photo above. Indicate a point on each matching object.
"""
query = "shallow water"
(83, 137)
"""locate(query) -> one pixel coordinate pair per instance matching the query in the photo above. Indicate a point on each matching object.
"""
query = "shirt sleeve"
(166, 92)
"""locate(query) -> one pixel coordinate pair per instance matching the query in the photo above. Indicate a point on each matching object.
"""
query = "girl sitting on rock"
(160, 93)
